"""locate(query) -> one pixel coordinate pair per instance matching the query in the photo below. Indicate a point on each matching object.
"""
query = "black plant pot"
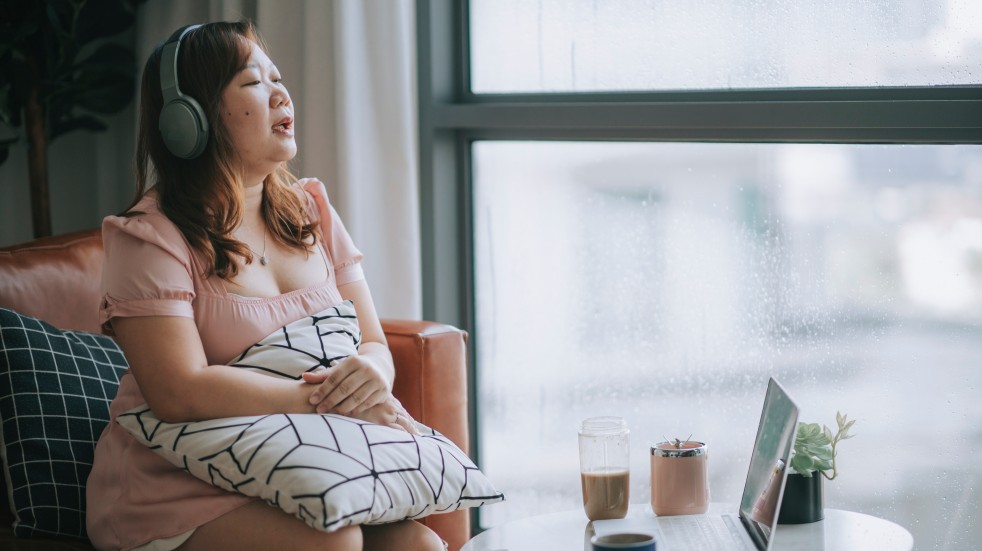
(802, 501)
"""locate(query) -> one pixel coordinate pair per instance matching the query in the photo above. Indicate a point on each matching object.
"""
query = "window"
(577, 46)
(590, 45)
(656, 245)
(665, 282)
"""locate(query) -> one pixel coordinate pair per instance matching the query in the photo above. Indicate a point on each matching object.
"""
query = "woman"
(217, 253)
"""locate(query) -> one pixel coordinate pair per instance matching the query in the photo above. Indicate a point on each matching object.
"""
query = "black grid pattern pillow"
(55, 389)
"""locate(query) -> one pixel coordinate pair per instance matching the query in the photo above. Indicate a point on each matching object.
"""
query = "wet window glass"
(619, 45)
(665, 282)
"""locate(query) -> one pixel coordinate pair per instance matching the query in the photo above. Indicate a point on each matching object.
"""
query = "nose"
(280, 97)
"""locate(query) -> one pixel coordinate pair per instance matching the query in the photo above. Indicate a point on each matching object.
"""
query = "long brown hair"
(203, 196)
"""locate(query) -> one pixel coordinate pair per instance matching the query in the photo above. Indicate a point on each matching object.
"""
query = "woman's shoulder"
(145, 222)
(315, 193)
(311, 187)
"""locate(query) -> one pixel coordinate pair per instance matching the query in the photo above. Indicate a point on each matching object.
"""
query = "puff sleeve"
(341, 249)
(147, 269)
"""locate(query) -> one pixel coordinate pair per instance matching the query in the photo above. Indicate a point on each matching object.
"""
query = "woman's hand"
(349, 387)
(389, 413)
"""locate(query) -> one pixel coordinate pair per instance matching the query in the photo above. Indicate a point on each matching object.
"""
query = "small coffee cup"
(614, 542)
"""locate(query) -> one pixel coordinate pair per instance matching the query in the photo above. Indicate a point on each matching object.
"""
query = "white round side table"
(571, 531)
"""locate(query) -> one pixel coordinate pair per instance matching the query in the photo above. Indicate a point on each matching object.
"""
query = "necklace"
(263, 259)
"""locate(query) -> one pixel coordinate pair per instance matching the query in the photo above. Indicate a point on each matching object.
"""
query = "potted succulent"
(813, 458)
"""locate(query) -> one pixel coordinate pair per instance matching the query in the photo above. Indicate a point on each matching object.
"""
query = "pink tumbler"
(679, 478)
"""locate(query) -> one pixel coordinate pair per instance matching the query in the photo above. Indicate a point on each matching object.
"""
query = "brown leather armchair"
(57, 279)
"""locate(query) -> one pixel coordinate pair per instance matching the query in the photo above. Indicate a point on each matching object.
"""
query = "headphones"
(183, 124)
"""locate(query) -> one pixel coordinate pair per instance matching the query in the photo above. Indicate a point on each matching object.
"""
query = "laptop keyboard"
(709, 533)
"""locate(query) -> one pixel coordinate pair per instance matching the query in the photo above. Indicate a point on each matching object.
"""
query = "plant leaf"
(107, 99)
(13, 74)
(89, 123)
(50, 34)
(111, 58)
(105, 80)
(20, 21)
(103, 18)
(802, 465)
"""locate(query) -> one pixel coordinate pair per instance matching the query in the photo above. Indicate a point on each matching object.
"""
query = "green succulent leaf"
(803, 465)
(815, 446)
(812, 449)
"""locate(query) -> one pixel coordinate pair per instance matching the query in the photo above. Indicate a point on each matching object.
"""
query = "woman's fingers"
(355, 389)
(329, 379)
(385, 409)
(351, 401)
(373, 400)
(348, 387)
(397, 416)
(316, 376)
(407, 424)
(388, 415)
(343, 395)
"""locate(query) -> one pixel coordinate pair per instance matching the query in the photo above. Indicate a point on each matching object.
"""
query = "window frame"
(451, 118)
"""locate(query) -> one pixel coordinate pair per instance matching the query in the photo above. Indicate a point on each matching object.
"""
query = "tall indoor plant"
(58, 72)
(812, 459)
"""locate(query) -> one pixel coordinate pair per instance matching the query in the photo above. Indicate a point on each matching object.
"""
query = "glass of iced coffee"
(605, 472)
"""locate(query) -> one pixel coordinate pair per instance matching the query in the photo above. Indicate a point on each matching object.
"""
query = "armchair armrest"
(431, 382)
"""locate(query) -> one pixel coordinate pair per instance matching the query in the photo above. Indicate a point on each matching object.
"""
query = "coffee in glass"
(605, 473)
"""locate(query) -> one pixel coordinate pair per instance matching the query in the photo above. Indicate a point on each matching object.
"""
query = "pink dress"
(134, 496)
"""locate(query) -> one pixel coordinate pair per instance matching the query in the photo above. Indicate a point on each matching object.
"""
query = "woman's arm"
(361, 381)
(168, 362)
(167, 359)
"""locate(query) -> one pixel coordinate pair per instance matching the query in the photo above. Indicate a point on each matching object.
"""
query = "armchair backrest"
(57, 279)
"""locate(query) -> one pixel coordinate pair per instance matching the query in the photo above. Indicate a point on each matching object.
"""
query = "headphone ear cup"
(184, 127)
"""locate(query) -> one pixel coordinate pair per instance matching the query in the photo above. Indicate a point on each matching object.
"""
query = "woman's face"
(258, 113)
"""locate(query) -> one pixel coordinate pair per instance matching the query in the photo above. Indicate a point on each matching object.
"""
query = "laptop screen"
(762, 493)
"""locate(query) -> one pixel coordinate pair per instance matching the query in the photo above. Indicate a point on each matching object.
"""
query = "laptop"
(752, 526)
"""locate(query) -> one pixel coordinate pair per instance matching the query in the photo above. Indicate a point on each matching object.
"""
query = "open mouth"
(285, 125)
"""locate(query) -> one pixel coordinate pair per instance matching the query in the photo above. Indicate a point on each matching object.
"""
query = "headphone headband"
(183, 124)
(168, 63)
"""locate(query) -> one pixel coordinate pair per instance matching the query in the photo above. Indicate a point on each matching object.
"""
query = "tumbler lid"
(603, 425)
(689, 448)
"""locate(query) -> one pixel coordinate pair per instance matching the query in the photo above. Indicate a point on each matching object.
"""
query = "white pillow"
(306, 344)
(328, 470)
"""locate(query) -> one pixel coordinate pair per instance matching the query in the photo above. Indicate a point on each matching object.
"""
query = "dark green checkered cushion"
(55, 389)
